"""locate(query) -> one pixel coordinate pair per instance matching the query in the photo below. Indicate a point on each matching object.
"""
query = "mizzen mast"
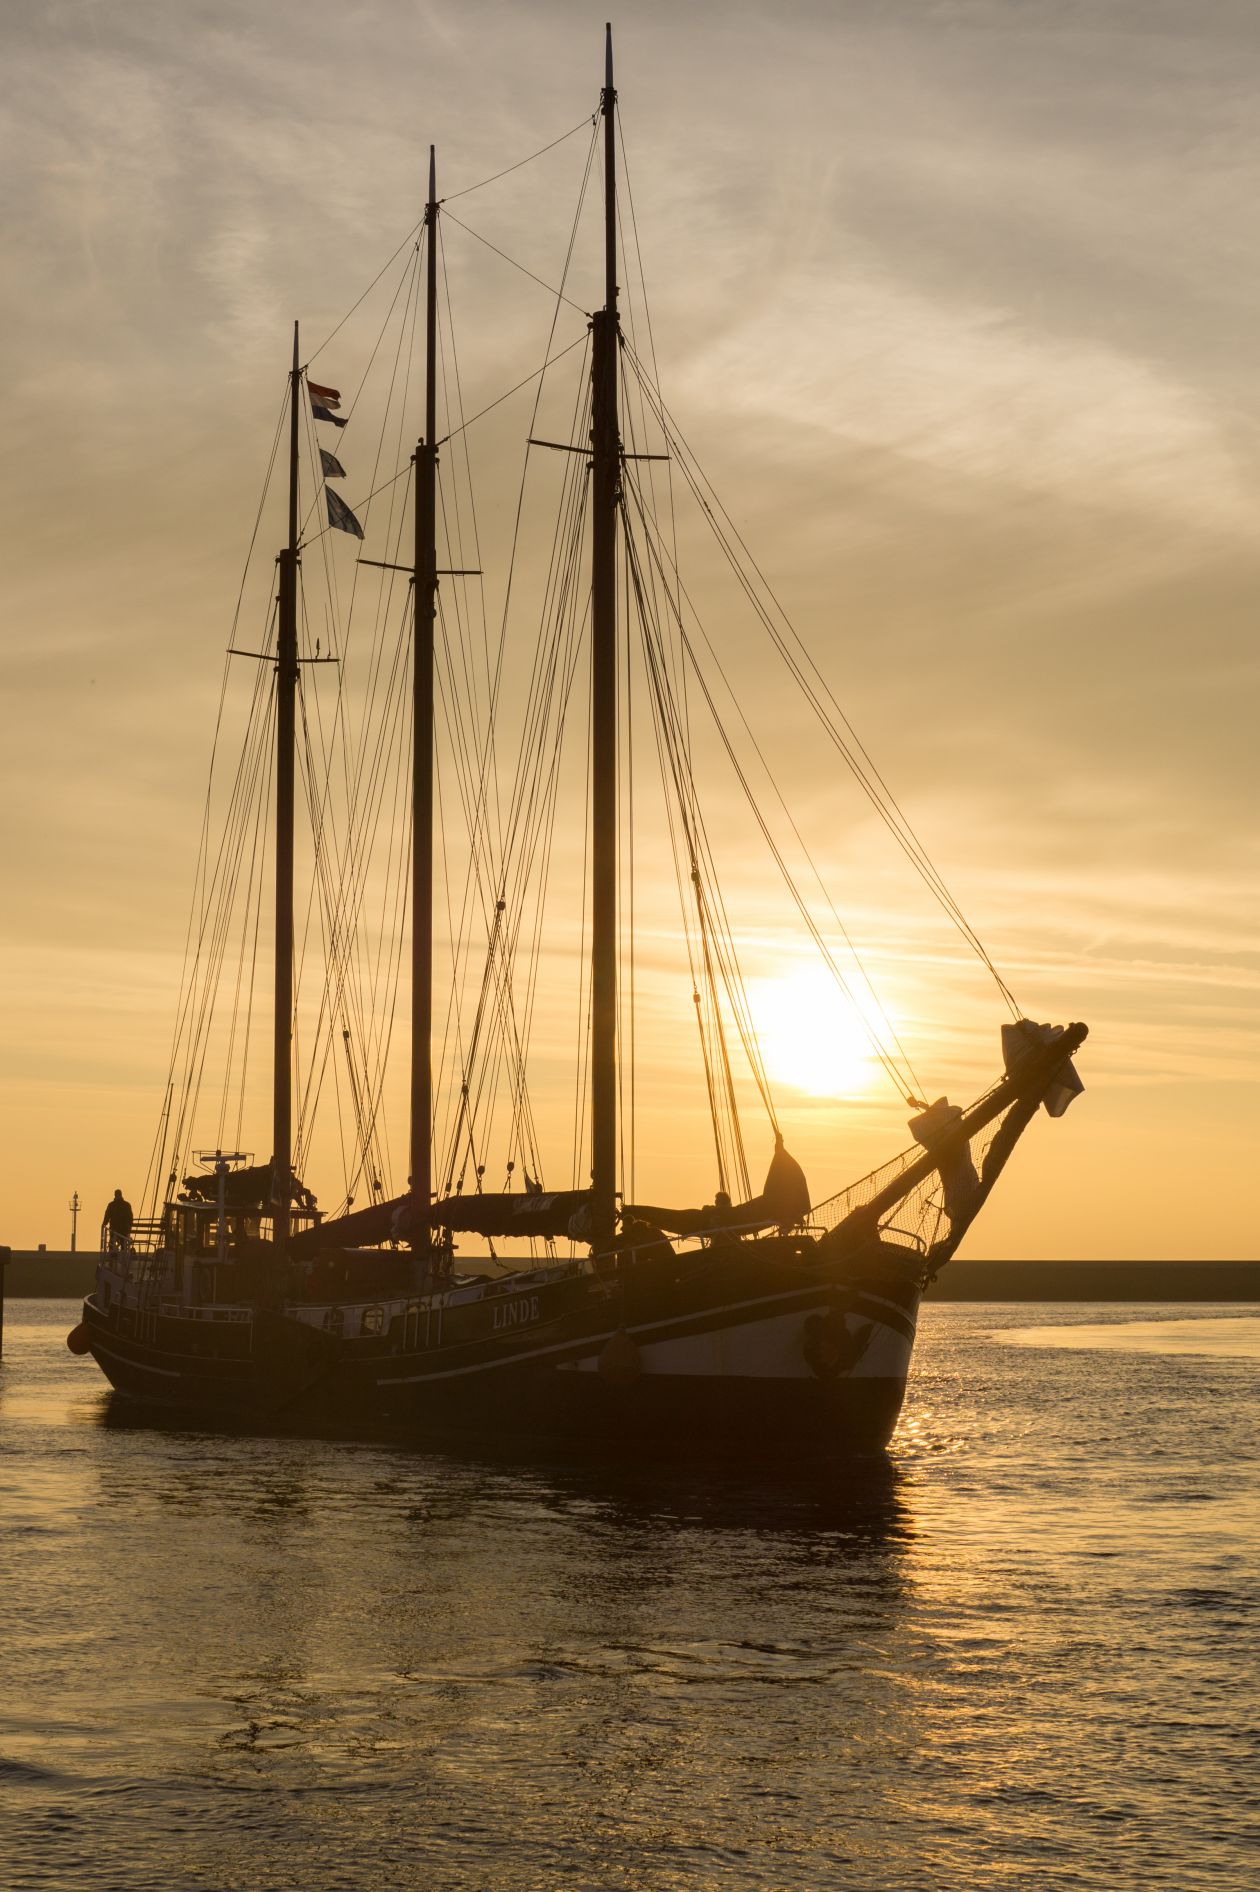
(605, 496)
(424, 596)
(286, 698)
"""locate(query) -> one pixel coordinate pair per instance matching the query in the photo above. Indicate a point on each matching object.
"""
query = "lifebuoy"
(831, 1346)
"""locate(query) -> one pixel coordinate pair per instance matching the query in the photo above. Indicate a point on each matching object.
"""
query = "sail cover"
(784, 1202)
(539, 1213)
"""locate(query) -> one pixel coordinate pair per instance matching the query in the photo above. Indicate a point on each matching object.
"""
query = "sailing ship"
(757, 1317)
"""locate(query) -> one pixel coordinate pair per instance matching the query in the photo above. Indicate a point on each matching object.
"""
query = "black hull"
(751, 1351)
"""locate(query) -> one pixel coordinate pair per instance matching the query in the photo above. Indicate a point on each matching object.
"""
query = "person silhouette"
(118, 1221)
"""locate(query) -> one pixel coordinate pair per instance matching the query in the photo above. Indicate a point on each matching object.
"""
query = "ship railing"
(145, 1238)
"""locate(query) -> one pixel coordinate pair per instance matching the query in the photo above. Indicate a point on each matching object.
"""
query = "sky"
(956, 304)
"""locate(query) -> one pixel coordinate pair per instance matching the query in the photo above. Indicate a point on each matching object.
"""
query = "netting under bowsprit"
(934, 1212)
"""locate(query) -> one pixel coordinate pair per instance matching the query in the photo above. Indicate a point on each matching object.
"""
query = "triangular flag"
(340, 515)
(327, 397)
(321, 412)
(331, 465)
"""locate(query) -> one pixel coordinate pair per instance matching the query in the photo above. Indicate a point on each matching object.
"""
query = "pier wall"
(57, 1273)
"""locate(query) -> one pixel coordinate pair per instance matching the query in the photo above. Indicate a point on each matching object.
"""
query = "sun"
(812, 1037)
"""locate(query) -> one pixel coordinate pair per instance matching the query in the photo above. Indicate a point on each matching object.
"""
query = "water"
(1023, 1652)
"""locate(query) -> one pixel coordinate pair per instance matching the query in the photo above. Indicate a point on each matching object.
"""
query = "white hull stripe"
(576, 1349)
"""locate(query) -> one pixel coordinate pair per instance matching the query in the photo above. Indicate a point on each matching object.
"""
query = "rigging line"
(681, 673)
(340, 968)
(374, 1077)
(551, 290)
(765, 830)
(216, 888)
(154, 1175)
(352, 770)
(874, 785)
(413, 265)
(674, 818)
(537, 784)
(872, 1036)
(411, 273)
(884, 804)
(537, 374)
(888, 1064)
(262, 500)
(340, 984)
(591, 119)
(546, 795)
(691, 820)
(490, 757)
(250, 907)
(654, 542)
(220, 918)
(410, 237)
(402, 474)
(536, 791)
(253, 968)
(908, 844)
(657, 652)
(352, 878)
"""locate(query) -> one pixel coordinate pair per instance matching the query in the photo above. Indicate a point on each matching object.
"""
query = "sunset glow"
(813, 1039)
(1001, 474)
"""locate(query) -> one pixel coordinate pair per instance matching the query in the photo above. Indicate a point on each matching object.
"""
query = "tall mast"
(424, 593)
(286, 695)
(606, 480)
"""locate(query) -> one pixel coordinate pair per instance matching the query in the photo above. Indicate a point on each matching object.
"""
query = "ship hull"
(743, 1354)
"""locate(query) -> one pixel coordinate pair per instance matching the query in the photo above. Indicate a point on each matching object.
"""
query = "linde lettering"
(515, 1313)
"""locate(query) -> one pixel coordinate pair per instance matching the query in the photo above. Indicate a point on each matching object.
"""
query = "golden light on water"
(812, 1037)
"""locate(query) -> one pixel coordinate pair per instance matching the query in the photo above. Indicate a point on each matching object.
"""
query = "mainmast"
(424, 594)
(286, 696)
(605, 495)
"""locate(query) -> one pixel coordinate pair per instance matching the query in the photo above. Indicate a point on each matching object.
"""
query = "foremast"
(605, 498)
(286, 704)
(424, 597)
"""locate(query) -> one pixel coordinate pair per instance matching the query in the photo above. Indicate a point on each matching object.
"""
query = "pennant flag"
(340, 515)
(331, 465)
(327, 397)
(321, 412)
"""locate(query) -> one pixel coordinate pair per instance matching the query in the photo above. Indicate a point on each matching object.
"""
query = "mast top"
(608, 78)
(432, 178)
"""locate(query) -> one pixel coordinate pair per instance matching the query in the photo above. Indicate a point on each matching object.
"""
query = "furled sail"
(547, 1214)
(783, 1203)
(1019, 1040)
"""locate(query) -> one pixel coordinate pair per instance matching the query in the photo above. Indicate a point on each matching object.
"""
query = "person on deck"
(118, 1220)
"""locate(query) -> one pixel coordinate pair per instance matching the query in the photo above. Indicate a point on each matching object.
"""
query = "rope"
(521, 162)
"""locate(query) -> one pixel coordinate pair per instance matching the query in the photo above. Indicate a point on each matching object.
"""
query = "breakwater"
(58, 1274)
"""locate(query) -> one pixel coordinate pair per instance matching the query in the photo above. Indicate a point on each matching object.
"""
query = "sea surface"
(1023, 1651)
